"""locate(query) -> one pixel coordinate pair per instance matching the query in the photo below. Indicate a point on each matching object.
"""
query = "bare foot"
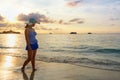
(22, 69)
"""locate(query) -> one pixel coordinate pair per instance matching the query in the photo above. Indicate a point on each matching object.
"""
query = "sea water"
(100, 51)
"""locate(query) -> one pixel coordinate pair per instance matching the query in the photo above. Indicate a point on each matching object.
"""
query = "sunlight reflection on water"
(11, 40)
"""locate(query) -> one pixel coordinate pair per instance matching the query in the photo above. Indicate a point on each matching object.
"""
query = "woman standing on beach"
(31, 42)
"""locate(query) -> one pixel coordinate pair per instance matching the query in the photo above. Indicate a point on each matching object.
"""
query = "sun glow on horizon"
(11, 19)
(62, 16)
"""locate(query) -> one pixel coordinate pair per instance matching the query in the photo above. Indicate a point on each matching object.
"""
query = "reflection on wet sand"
(10, 67)
(7, 64)
(25, 76)
(7, 61)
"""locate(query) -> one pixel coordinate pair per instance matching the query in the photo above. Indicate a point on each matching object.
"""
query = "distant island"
(50, 33)
(89, 33)
(9, 32)
(73, 32)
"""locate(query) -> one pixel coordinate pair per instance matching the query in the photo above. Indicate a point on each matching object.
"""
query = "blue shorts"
(33, 46)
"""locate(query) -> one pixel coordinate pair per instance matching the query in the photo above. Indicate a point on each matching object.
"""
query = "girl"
(32, 43)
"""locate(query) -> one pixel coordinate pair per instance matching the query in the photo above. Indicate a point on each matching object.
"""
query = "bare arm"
(27, 38)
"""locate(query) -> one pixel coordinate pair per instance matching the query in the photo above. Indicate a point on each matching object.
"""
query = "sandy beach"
(10, 70)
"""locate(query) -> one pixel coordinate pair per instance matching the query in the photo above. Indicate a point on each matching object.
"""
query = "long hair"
(26, 25)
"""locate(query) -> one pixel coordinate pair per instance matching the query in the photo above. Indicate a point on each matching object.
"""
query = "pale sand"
(10, 70)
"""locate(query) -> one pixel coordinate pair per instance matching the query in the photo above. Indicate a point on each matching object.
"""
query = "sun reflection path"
(11, 40)
(8, 61)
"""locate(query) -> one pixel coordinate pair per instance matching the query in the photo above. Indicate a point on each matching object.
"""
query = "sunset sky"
(62, 16)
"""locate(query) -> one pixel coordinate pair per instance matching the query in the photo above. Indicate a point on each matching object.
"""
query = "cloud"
(37, 16)
(63, 22)
(76, 20)
(2, 21)
(47, 20)
(2, 24)
(94, 3)
(114, 19)
(1, 18)
(46, 28)
(24, 17)
(80, 22)
(73, 3)
(42, 18)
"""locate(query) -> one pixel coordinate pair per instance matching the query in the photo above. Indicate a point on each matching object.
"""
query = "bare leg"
(28, 59)
(33, 59)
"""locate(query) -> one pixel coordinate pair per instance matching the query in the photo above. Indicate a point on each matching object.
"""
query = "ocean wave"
(105, 64)
(77, 47)
(73, 49)
(108, 50)
(94, 63)
(85, 49)
(98, 63)
(10, 47)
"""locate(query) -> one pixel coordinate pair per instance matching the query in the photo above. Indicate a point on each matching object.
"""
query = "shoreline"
(80, 65)
(10, 68)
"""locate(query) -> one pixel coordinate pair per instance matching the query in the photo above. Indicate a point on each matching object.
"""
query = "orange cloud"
(74, 3)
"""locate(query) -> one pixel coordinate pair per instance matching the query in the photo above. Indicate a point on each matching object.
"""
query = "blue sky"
(62, 16)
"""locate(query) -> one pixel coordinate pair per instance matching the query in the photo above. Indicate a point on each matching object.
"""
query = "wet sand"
(10, 69)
